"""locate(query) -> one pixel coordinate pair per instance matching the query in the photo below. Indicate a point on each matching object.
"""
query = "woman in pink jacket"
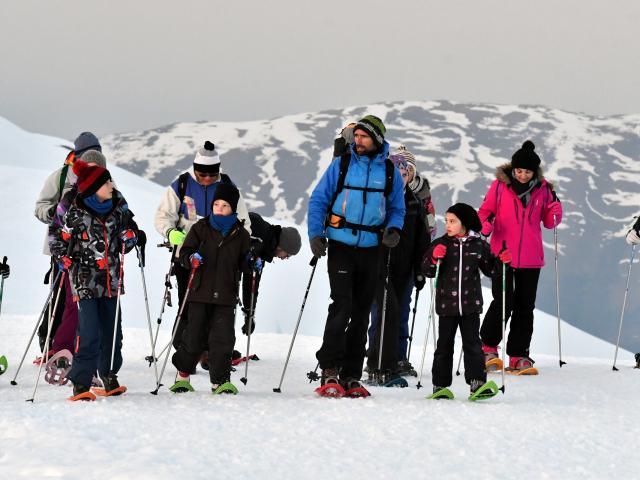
(518, 201)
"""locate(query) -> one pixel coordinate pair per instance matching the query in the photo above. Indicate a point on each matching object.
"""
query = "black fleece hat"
(526, 157)
(227, 192)
(467, 215)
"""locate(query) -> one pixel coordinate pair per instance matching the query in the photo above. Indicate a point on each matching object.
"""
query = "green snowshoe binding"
(181, 386)
(441, 393)
(226, 387)
(483, 391)
(4, 364)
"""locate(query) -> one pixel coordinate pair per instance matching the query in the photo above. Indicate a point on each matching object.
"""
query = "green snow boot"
(483, 391)
(226, 387)
(3, 364)
(441, 393)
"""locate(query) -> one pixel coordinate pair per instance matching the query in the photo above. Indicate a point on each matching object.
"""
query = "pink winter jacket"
(502, 212)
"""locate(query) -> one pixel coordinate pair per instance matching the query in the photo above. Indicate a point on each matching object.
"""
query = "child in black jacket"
(462, 254)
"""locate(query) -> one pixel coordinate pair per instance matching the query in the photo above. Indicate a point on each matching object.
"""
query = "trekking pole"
(115, 323)
(314, 264)
(384, 312)
(459, 362)
(146, 304)
(45, 355)
(504, 313)
(251, 322)
(555, 241)
(166, 299)
(624, 304)
(413, 322)
(426, 337)
(175, 328)
(38, 322)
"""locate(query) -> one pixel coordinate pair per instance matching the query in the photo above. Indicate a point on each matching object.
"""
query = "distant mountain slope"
(592, 159)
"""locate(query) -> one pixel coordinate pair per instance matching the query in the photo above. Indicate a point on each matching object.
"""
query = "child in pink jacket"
(518, 201)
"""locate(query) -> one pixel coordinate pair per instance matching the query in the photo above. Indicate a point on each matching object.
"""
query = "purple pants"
(66, 333)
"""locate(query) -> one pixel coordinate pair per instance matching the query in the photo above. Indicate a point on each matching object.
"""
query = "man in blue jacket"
(356, 219)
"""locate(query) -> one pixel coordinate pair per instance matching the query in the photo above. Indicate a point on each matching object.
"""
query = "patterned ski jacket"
(96, 246)
(502, 214)
(354, 204)
(172, 213)
(458, 289)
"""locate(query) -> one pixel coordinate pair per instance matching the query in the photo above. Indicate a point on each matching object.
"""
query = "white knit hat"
(207, 159)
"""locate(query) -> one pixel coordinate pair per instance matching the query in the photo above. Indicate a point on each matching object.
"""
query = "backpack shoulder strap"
(63, 179)
(182, 187)
(345, 160)
(389, 173)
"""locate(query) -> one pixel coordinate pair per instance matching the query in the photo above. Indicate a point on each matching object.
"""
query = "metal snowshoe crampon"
(58, 367)
(386, 379)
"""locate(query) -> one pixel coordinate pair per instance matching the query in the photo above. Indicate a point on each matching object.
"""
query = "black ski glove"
(318, 246)
(420, 281)
(390, 237)
(248, 321)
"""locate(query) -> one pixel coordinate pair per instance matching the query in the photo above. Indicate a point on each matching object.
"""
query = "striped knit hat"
(90, 178)
(406, 155)
(207, 159)
(373, 127)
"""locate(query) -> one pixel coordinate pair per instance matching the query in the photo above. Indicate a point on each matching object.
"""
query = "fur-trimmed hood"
(503, 173)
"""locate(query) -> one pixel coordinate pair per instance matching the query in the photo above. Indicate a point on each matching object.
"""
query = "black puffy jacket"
(458, 290)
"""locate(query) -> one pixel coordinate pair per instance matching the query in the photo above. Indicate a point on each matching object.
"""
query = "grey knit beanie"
(94, 156)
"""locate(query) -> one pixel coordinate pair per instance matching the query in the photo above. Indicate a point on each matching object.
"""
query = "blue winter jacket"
(378, 210)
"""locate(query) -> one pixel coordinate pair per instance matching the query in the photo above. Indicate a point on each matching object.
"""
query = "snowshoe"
(38, 360)
(111, 387)
(329, 384)
(226, 387)
(238, 361)
(483, 391)
(405, 369)
(333, 390)
(58, 367)
(394, 380)
(353, 389)
(4, 365)
(494, 365)
(441, 393)
(82, 393)
(521, 366)
(181, 386)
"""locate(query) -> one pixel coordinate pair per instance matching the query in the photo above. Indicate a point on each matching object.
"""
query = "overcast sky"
(125, 65)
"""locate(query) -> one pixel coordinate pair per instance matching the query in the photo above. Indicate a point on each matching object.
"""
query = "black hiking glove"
(390, 237)
(318, 246)
(248, 320)
(420, 281)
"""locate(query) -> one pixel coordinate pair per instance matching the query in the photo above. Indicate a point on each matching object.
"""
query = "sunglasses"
(205, 174)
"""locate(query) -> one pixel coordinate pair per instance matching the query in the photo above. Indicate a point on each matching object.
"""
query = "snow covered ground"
(574, 422)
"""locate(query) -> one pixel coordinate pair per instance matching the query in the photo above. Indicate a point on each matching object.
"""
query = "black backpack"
(335, 221)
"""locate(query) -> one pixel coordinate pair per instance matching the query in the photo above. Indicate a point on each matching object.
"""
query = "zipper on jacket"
(521, 234)
(364, 200)
(531, 210)
(460, 281)
(106, 256)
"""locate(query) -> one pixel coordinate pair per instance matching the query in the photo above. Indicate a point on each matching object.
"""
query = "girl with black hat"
(458, 257)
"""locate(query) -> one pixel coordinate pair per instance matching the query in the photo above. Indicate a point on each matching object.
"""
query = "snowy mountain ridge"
(593, 161)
